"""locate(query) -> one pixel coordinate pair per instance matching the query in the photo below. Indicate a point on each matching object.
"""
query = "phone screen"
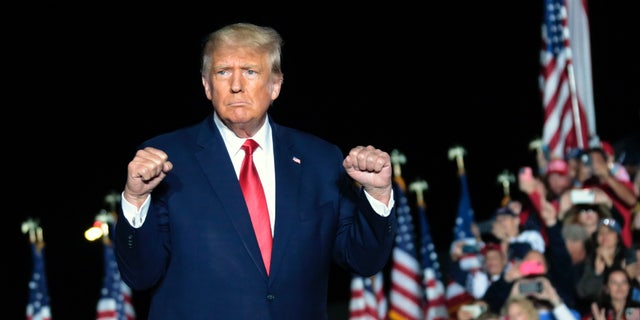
(530, 287)
(584, 196)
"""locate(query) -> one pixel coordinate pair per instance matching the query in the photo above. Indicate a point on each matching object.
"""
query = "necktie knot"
(249, 145)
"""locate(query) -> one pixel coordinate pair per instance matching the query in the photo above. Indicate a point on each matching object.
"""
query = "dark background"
(85, 85)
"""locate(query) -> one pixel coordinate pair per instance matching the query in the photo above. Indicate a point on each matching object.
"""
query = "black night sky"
(87, 85)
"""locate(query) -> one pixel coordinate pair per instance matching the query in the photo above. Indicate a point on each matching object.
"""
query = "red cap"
(558, 166)
(607, 148)
(491, 246)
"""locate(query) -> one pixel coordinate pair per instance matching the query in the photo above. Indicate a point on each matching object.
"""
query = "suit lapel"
(217, 167)
(288, 166)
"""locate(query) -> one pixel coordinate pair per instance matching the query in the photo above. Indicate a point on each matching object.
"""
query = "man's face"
(240, 86)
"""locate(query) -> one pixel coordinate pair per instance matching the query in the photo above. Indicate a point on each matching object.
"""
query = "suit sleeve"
(365, 238)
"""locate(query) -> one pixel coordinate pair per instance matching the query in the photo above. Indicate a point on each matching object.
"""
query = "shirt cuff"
(379, 207)
(134, 216)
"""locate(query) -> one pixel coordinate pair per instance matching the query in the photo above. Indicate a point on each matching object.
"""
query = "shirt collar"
(234, 143)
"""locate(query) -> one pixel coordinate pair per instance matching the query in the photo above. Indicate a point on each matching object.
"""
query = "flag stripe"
(435, 305)
(405, 298)
(115, 301)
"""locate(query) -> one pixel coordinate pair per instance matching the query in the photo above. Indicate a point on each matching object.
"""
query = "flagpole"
(397, 160)
(574, 105)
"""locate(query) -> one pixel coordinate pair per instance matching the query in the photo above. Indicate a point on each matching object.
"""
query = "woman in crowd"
(614, 301)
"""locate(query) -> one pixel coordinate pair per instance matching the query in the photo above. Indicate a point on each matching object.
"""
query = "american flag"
(456, 296)
(465, 218)
(368, 300)
(565, 77)
(462, 229)
(435, 307)
(456, 292)
(38, 306)
(405, 297)
(115, 296)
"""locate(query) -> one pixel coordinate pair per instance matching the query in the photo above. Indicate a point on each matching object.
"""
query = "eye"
(251, 74)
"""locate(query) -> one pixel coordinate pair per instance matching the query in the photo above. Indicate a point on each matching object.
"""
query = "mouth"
(237, 104)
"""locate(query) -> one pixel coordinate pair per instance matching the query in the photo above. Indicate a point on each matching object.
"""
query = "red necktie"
(256, 202)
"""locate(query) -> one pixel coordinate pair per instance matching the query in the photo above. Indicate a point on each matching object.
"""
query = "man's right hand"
(144, 173)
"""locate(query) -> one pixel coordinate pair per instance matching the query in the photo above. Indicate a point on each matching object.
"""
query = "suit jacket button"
(271, 297)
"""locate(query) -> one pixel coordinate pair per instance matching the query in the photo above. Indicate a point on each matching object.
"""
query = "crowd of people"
(566, 246)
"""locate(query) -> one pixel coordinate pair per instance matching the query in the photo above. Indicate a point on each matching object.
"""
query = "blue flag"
(38, 307)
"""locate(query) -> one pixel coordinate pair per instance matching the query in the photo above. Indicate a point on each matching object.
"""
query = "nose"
(236, 82)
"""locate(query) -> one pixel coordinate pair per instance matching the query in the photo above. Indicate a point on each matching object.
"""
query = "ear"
(275, 88)
(207, 87)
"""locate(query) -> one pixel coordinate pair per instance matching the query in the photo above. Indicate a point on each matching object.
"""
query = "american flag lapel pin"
(296, 160)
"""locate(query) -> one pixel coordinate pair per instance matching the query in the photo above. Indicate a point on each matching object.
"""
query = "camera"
(528, 287)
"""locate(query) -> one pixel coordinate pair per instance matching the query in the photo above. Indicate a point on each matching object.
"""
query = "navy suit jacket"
(197, 252)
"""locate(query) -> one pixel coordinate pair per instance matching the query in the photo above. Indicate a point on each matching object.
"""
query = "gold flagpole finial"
(397, 160)
(419, 187)
(32, 228)
(505, 179)
(536, 145)
(458, 153)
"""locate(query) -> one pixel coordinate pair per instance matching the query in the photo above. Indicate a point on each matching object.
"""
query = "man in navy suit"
(184, 231)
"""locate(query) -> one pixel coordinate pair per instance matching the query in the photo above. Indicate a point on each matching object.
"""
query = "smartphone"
(531, 268)
(582, 196)
(529, 287)
(470, 248)
(474, 309)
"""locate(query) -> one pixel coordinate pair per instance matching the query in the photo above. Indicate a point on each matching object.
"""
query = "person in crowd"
(572, 157)
(575, 239)
(562, 269)
(533, 264)
(632, 267)
(466, 262)
(609, 252)
(557, 179)
(616, 168)
(519, 308)
(614, 301)
(494, 265)
(477, 276)
(542, 194)
(534, 193)
(588, 216)
(545, 298)
(185, 229)
(594, 172)
(515, 240)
